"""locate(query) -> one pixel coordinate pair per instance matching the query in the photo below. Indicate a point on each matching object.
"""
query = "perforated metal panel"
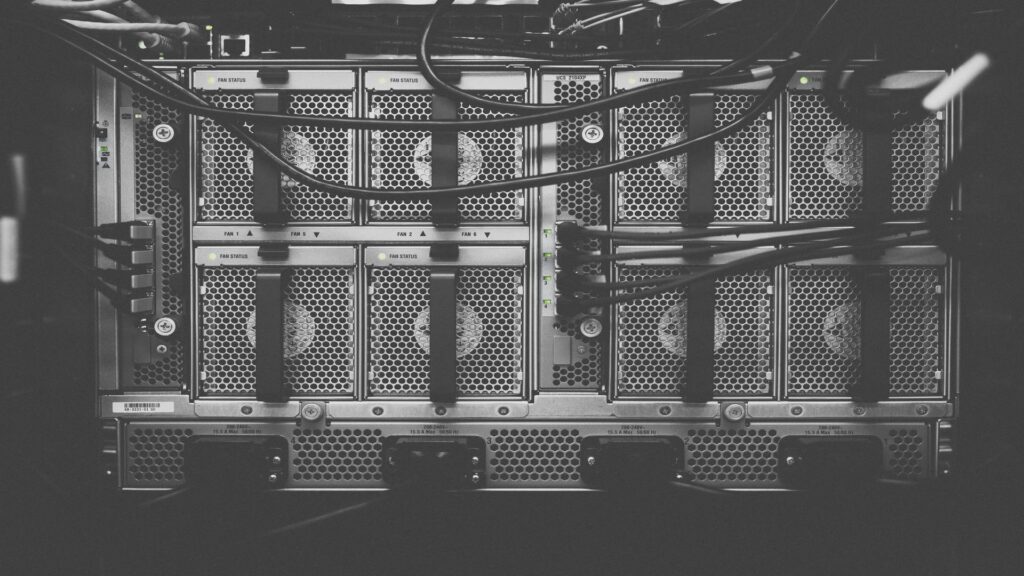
(732, 457)
(826, 171)
(534, 456)
(336, 456)
(489, 346)
(905, 454)
(579, 199)
(657, 192)
(227, 193)
(400, 159)
(651, 336)
(155, 456)
(319, 340)
(156, 195)
(823, 334)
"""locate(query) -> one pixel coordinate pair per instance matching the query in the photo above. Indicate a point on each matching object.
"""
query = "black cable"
(570, 231)
(304, 177)
(426, 68)
(859, 105)
(480, 48)
(581, 283)
(814, 250)
(756, 53)
(725, 247)
(197, 105)
(702, 18)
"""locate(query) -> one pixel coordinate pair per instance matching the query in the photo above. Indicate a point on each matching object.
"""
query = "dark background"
(59, 516)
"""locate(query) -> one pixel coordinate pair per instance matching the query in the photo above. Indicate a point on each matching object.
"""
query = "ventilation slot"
(156, 195)
(905, 454)
(534, 457)
(401, 160)
(155, 457)
(318, 350)
(826, 169)
(651, 336)
(227, 193)
(336, 457)
(578, 199)
(823, 356)
(489, 343)
(732, 457)
(657, 192)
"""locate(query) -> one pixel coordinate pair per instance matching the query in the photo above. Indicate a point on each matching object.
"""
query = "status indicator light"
(805, 80)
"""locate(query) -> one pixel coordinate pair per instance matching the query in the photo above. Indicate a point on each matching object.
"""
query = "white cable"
(956, 82)
(76, 5)
(175, 30)
(138, 13)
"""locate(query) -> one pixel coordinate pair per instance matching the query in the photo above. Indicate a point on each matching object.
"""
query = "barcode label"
(143, 407)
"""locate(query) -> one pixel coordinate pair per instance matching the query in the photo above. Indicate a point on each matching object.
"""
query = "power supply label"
(143, 407)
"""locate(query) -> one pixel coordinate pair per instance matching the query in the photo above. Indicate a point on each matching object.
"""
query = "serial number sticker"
(143, 407)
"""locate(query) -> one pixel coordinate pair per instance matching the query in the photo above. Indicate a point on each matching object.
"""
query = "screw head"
(591, 460)
(377, 411)
(503, 410)
(475, 478)
(246, 410)
(665, 410)
(475, 460)
(275, 460)
(592, 133)
(859, 410)
(161, 349)
(163, 133)
(273, 478)
(591, 327)
(440, 410)
(735, 412)
(165, 326)
(311, 411)
(922, 410)
(796, 410)
(790, 461)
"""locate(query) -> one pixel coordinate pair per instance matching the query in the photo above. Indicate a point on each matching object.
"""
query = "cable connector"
(127, 255)
(133, 231)
(127, 279)
(567, 257)
(568, 232)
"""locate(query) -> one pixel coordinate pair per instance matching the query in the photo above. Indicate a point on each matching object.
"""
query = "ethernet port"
(234, 46)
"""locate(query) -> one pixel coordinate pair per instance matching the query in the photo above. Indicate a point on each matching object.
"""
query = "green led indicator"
(547, 302)
(209, 27)
(104, 148)
(547, 279)
(547, 255)
(804, 80)
(547, 232)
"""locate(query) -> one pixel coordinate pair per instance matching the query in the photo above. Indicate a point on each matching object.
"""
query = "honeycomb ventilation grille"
(400, 160)
(905, 454)
(823, 356)
(156, 195)
(826, 168)
(651, 336)
(489, 345)
(155, 456)
(732, 457)
(336, 456)
(657, 192)
(540, 456)
(319, 341)
(579, 199)
(227, 188)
